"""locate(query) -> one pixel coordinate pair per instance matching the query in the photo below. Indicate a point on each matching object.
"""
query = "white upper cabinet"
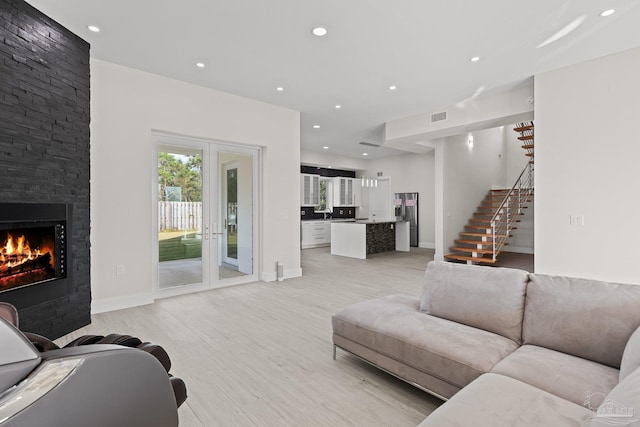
(346, 191)
(309, 190)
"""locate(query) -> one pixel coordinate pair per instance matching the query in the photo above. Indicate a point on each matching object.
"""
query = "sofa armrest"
(631, 355)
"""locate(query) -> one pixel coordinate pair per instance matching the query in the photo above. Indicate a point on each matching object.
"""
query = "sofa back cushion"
(487, 298)
(631, 356)
(585, 318)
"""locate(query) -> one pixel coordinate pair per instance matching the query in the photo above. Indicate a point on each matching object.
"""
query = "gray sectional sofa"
(505, 347)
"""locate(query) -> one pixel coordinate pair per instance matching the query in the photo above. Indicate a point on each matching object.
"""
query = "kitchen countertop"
(330, 220)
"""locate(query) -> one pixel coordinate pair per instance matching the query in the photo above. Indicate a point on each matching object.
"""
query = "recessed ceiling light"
(393, 87)
(338, 106)
(316, 126)
(365, 154)
(200, 65)
(319, 31)
(93, 28)
(474, 59)
(325, 148)
(608, 12)
(279, 88)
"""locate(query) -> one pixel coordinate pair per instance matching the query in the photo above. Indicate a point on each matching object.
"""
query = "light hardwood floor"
(261, 354)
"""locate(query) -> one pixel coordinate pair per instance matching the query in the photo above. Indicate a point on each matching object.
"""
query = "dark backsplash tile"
(307, 213)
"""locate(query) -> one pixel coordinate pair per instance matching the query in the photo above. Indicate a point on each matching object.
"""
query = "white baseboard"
(287, 274)
(120, 303)
(268, 277)
(427, 245)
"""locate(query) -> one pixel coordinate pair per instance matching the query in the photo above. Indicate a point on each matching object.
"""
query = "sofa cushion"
(560, 374)
(585, 318)
(487, 298)
(393, 326)
(631, 355)
(621, 405)
(498, 401)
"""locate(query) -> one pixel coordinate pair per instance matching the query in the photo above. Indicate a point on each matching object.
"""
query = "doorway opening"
(206, 198)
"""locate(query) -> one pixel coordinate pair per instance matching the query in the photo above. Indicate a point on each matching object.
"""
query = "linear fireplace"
(34, 260)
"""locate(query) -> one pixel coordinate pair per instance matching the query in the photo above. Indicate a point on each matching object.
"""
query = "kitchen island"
(361, 238)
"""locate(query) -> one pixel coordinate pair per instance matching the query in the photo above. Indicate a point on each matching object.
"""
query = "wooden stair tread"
(476, 242)
(523, 128)
(470, 234)
(478, 227)
(528, 154)
(528, 146)
(480, 251)
(482, 227)
(470, 258)
(526, 138)
(495, 206)
(506, 190)
(500, 197)
(490, 215)
(486, 221)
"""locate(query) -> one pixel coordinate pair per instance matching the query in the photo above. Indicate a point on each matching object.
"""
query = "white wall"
(412, 173)
(313, 158)
(469, 173)
(514, 154)
(126, 105)
(475, 113)
(587, 151)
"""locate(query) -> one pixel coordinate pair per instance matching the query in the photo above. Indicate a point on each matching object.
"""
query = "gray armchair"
(102, 385)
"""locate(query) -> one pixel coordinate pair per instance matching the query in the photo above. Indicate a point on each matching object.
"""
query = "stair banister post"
(493, 235)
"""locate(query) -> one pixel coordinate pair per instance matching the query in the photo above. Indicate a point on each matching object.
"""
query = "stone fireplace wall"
(44, 145)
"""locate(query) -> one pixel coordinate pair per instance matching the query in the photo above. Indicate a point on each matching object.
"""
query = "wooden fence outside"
(178, 216)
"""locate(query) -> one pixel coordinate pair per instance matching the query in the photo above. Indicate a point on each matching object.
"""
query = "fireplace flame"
(17, 251)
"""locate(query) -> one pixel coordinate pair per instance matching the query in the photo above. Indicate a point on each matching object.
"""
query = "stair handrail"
(524, 183)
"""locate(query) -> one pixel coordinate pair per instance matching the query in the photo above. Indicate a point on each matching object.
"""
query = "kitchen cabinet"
(346, 192)
(309, 190)
(315, 234)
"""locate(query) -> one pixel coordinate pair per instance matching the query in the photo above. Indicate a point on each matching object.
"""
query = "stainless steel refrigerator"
(406, 205)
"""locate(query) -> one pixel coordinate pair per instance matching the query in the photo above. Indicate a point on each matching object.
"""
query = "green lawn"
(174, 245)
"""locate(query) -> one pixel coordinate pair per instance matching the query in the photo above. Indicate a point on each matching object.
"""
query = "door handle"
(215, 233)
(206, 232)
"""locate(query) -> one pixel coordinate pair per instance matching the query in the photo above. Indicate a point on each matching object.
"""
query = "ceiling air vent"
(369, 144)
(438, 117)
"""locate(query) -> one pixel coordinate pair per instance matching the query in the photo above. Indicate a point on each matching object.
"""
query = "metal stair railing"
(512, 205)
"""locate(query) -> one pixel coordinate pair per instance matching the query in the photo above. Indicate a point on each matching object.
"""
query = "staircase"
(527, 137)
(490, 227)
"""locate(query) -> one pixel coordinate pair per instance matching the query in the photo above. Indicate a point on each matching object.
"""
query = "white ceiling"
(250, 47)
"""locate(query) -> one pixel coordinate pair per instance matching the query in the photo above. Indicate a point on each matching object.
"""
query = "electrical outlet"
(119, 269)
(576, 220)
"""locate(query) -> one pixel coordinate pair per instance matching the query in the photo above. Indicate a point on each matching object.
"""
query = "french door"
(207, 206)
